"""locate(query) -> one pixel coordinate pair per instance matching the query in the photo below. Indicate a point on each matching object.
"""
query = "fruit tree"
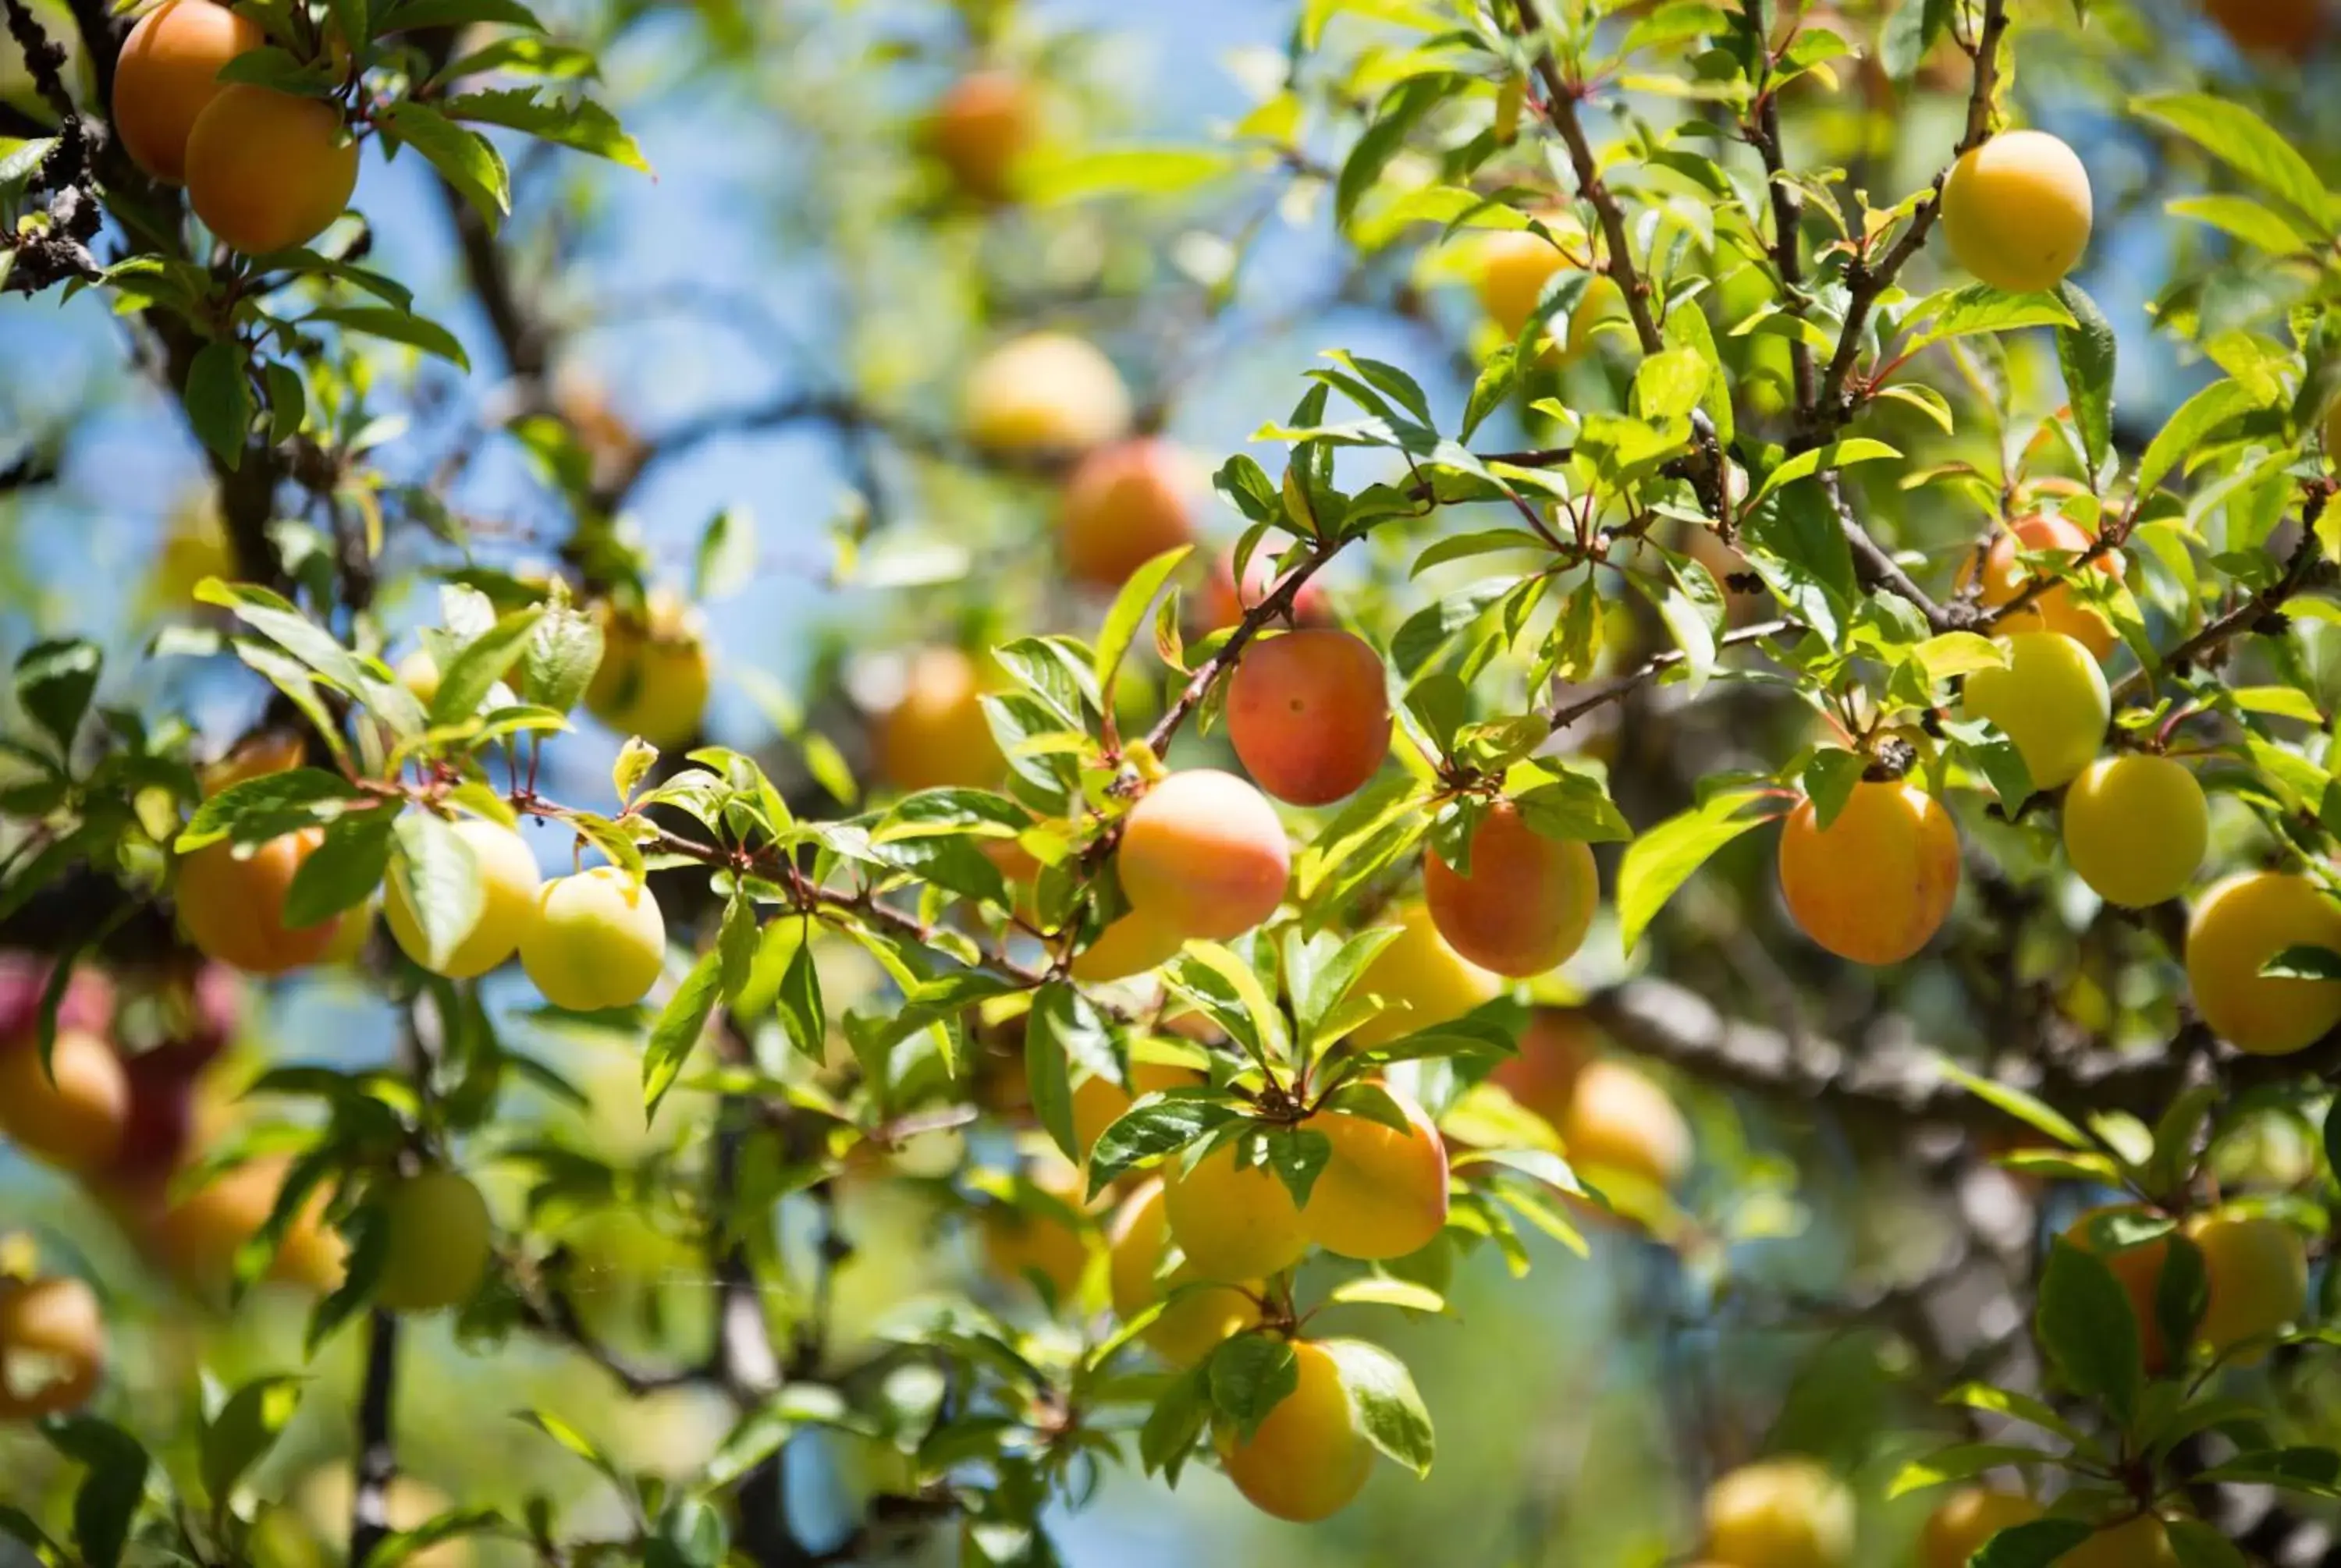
(1048, 781)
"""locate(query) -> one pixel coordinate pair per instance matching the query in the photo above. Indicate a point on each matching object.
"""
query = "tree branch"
(1562, 715)
(1279, 601)
(1869, 281)
(2300, 571)
(377, 1456)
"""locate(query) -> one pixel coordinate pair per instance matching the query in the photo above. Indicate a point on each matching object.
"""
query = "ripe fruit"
(1516, 265)
(1434, 983)
(1541, 1075)
(52, 1347)
(233, 907)
(1124, 505)
(1018, 1243)
(2258, 1273)
(1527, 902)
(231, 901)
(1620, 1121)
(1382, 1193)
(653, 677)
(1191, 1327)
(1787, 1513)
(2138, 1269)
(1958, 1529)
(268, 170)
(2051, 700)
(2238, 927)
(2136, 828)
(196, 1239)
(1305, 1460)
(1233, 1222)
(1130, 946)
(2016, 210)
(438, 1239)
(1223, 605)
(1205, 854)
(2138, 1543)
(169, 76)
(1309, 715)
(2270, 26)
(980, 130)
(161, 1127)
(1880, 881)
(508, 887)
(74, 1123)
(598, 941)
(1045, 392)
(936, 737)
(2053, 609)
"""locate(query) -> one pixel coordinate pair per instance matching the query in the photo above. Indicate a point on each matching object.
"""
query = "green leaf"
(392, 326)
(275, 619)
(678, 1028)
(259, 809)
(1158, 1125)
(1660, 860)
(276, 70)
(1837, 454)
(2189, 427)
(106, 1500)
(2033, 1545)
(1395, 116)
(726, 559)
(1576, 806)
(561, 659)
(1250, 1375)
(2304, 963)
(465, 159)
(1131, 606)
(440, 877)
(580, 124)
(2241, 217)
(2248, 143)
(245, 1428)
(1383, 1402)
(1980, 308)
(54, 683)
(2086, 351)
(2086, 1325)
(468, 679)
(412, 14)
(1955, 653)
(341, 872)
(2032, 1112)
(1961, 1462)
(803, 1016)
(1048, 180)
(218, 400)
(1062, 1028)
(2201, 1545)
(2181, 1291)
(1910, 34)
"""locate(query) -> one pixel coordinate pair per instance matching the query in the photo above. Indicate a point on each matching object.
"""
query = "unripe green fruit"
(2136, 828)
(508, 888)
(598, 941)
(2258, 1273)
(437, 1244)
(2051, 700)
